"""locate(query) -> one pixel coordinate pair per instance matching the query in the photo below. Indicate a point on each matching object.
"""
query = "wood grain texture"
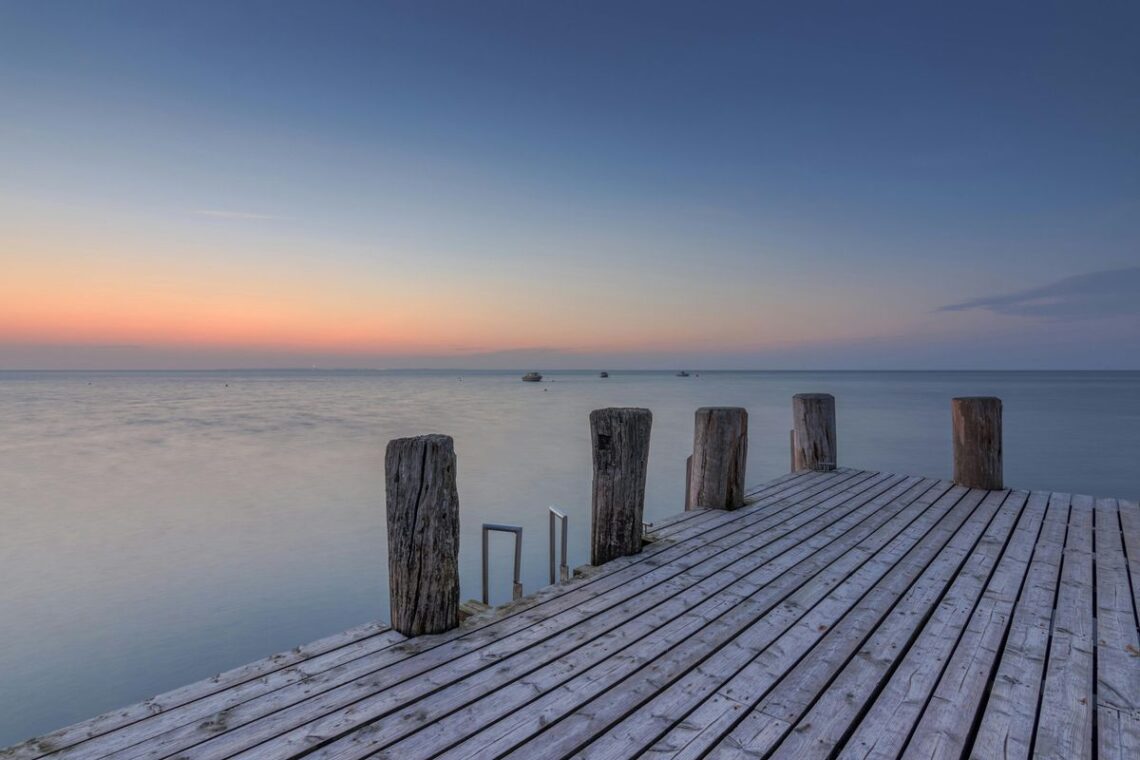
(1065, 719)
(1117, 641)
(423, 534)
(976, 423)
(842, 614)
(814, 445)
(104, 733)
(1010, 713)
(495, 636)
(620, 439)
(720, 451)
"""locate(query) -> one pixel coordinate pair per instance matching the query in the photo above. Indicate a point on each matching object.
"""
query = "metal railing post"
(517, 590)
(564, 568)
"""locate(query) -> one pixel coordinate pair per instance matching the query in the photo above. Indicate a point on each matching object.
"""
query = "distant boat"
(603, 374)
(532, 377)
(682, 373)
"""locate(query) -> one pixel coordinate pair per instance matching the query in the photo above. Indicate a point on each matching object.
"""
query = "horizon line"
(550, 371)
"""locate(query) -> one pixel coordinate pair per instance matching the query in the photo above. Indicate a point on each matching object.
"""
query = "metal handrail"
(517, 590)
(564, 568)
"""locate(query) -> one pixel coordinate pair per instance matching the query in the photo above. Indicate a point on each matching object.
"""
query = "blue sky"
(504, 184)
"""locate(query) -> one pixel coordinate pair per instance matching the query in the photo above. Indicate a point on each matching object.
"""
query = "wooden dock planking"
(170, 734)
(659, 630)
(843, 582)
(944, 728)
(1129, 516)
(779, 497)
(1010, 716)
(811, 651)
(1117, 645)
(1065, 719)
(773, 543)
(844, 613)
(222, 684)
(655, 675)
(885, 729)
(855, 655)
(700, 729)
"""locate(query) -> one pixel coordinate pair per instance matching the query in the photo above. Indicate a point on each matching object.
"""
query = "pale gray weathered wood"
(813, 439)
(720, 450)
(843, 614)
(1065, 723)
(620, 439)
(423, 534)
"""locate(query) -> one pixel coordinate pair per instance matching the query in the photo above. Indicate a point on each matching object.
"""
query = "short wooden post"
(813, 440)
(720, 449)
(977, 441)
(423, 534)
(621, 459)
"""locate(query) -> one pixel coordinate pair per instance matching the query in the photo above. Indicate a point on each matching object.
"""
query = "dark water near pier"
(156, 528)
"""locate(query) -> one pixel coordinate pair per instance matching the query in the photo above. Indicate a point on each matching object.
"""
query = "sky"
(547, 185)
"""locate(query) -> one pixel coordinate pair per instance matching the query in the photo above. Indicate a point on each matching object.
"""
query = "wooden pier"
(839, 613)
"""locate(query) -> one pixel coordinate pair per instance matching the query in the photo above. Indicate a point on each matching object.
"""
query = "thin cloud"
(1095, 295)
(232, 214)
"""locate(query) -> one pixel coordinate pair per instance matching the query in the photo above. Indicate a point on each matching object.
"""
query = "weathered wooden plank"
(371, 633)
(779, 502)
(665, 527)
(571, 694)
(205, 709)
(694, 733)
(1118, 646)
(1129, 513)
(884, 729)
(847, 613)
(824, 599)
(1007, 725)
(337, 688)
(660, 528)
(1065, 723)
(855, 656)
(944, 729)
(754, 491)
(774, 559)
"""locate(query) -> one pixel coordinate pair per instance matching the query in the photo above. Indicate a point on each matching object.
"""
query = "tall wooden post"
(621, 459)
(720, 449)
(813, 444)
(977, 441)
(423, 534)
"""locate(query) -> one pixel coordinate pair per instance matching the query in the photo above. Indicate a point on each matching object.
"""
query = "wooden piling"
(976, 424)
(621, 459)
(720, 449)
(423, 534)
(813, 442)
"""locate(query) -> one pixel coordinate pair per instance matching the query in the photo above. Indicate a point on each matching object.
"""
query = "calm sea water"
(156, 528)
